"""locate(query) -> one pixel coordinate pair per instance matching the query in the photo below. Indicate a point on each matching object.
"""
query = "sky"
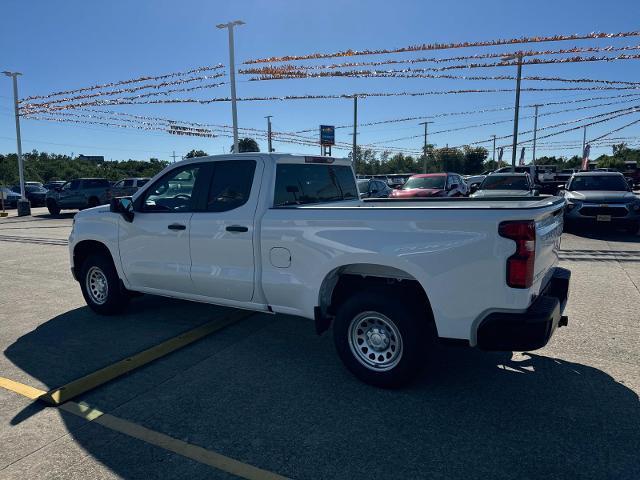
(73, 44)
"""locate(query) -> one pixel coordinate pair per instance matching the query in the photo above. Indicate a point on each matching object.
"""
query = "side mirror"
(562, 187)
(474, 187)
(123, 206)
(453, 186)
(373, 192)
(536, 192)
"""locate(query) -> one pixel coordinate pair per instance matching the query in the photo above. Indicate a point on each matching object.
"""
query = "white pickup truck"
(280, 233)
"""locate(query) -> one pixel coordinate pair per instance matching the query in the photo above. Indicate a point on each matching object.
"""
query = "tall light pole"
(535, 133)
(424, 160)
(517, 56)
(232, 76)
(494, 150)
(269, 147)
(23, 209)
(355, 130)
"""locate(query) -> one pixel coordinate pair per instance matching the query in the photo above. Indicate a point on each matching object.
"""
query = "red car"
(432, 185)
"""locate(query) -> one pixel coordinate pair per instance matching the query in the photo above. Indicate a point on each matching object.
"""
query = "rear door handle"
(237, 228)
(177, 226)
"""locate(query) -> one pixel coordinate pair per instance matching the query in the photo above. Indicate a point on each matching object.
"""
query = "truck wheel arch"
(88, 247)
(341, 281)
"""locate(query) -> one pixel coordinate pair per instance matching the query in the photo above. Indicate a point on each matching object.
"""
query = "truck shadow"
(283, 402)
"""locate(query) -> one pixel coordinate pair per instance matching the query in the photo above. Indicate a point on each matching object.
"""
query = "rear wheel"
(53, 207)
(100, 285)
(383, 343)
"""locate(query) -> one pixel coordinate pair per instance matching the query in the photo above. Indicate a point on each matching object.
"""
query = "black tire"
(93, 202)
(415, 341)
(103, 272)
(53, 207)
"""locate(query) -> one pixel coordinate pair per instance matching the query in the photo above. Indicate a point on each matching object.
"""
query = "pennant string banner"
(125, 82)
(446, 46)
(527, 53)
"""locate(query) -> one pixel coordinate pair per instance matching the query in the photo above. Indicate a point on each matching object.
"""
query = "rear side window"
(300, 184)
(127, 183)
(230, 185)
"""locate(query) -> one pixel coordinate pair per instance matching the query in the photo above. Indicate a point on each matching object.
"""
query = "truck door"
(154, 247)
(69, 194)
(222, 234)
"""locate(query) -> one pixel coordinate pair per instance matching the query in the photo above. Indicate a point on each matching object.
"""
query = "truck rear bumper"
(533, 328)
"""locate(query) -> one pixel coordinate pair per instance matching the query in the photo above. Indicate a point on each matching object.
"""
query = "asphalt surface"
(267, 391)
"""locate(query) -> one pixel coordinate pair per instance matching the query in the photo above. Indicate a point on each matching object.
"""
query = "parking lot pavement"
(268, 392)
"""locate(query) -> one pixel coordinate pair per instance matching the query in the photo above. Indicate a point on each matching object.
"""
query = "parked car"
(506, 185)
(288, 234)
(432, 185)
(35, 193)
(474, 181)
(603, 198)
(373, 188)
(127, 186)
(79, 194)
(10, 197)
(53, 184)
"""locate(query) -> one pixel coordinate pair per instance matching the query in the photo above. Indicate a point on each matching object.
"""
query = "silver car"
(373, 188)
(603, 198)
(506, 185)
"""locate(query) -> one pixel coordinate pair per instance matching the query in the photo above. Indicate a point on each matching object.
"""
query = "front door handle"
(177, 226)
(237, 228)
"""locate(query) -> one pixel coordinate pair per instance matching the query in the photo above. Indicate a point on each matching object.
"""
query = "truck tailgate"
(548, 232)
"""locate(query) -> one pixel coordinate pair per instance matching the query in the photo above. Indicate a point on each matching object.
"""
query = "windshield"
(363, 186)
(437, 181)
(599, 182)
(494, 182)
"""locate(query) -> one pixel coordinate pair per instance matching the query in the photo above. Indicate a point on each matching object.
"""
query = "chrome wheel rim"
(375, 341)
(97, 286)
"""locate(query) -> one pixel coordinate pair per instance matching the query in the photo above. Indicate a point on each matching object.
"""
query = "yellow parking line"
(160, 440)
(81, 385)
(21, 389)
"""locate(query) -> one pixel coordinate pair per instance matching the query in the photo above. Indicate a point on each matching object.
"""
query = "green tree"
(474, 158)
(246, 145)
(611, 162)
(196, 153)
(447, 160)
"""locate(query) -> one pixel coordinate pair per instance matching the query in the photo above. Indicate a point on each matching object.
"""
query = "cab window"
(174, 192)
(230, 185)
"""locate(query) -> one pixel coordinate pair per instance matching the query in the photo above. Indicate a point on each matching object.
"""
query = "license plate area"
(603, 218)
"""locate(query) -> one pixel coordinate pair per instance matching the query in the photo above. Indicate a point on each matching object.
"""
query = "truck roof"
(272, 157)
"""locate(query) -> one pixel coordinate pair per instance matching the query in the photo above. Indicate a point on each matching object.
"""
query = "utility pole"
(517, 56)
(232, 78)
(494, 150)
(174, 156)
(24, 208)
(269, 147)
(535, 133)
(424, 160)
(355, 131)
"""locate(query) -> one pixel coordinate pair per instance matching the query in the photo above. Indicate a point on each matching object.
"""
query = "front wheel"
(53, 207)
(101, 286)
(383, 343)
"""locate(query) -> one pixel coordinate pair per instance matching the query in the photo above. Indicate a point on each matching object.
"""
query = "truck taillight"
(520, 265)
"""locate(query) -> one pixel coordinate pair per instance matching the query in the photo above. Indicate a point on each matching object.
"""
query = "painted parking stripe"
(21, 389)
(152, 437)
(82, 385)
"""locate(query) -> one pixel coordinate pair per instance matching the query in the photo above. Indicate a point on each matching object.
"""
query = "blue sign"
(327, 135)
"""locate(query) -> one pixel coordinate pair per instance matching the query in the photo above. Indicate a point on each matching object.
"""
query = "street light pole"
(535, 133)
(269, 147)
(517, 56)
(25, 210)
(355, 130)
(494, 150)
(424, 160)
(232, 78)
